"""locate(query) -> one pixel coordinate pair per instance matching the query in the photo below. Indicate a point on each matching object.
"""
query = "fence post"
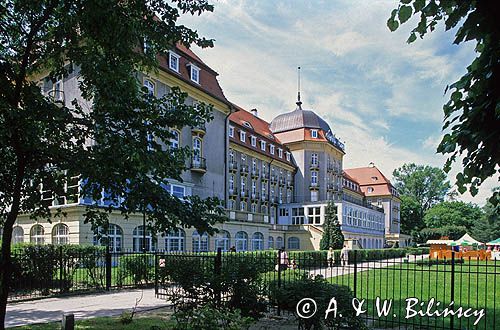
(355, 271)
(452, 289)
(156, 273)
(279, 280)
(108, 268)
(218, 279)
(61, 266)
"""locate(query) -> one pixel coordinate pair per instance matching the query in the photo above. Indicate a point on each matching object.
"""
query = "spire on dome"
(299, 102)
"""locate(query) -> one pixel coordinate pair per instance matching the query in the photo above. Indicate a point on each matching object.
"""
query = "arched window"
(140, 242)
(60, 234)
(17, 235)
(200, 243)
(175, 139)
(175, 240)
(257, 241)
(197, 149)
(293, 243)
(279, 242)
(37, 235)
(222, 240)
(270, 243)
(241, 241)
(150, 86)
(114, 237)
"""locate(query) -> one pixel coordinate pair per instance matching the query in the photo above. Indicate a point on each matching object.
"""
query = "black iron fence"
(411, 291)
(392, 287)
(42, 272)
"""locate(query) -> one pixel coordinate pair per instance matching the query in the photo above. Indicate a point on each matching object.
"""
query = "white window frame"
(263, 145)
(257, 241)
(280, 153)
(17, 235)
(271, 149)
(175, 241)
(150, 86)
(243, 136)
(314, 133)
(231, 131)
(60, 234)
(194, 73)
(241, 241)
(253, 140)
(200, 243)
(287, 156)
(37, 234)
(172, 55)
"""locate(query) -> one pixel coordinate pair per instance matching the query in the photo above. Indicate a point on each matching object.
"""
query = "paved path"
(364, 266)
(83, 306)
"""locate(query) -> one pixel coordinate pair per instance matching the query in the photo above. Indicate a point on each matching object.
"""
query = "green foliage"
(209, 317)
(434, 262)
(138, 266)
(411, 215)
(332, 234)
(471, 116)
(322, 292)
(126, 318)
(452, 232)
(488, 227)
(453, 214)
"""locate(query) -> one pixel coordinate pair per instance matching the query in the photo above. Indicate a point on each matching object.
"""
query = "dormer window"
(280, 153)
(287, 156)
(271, 149)
(194, 73)
(370, 189)
(231, 131)
(374, 178)
(173, 61)
(243, 136)
(263, 145)
(314, 133)
(253, 140)
(247, 125)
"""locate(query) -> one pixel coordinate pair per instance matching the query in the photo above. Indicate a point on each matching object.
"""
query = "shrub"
(322, 292)
(209, 317)
(137, 266)
(432, 262)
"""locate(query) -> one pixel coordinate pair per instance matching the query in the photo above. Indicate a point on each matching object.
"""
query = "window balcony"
(314, 166)
(263, 198)
(233, 166)
(255, 196)
(255, 173)
(330, 168)
(244, 193)
(244, 169)
(289, 183)
(200, 129)
(198, 164)
(233, 192)
(273, 200)
(282, 182)
(314, 186)
(274, 179)
(264, 177)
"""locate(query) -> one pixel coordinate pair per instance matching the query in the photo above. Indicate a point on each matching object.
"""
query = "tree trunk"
(5, 257)
(5, 272)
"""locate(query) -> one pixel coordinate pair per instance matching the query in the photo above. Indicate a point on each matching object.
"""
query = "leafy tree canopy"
(472, 115)
(411, 216)
(426, 185)
(332, 233)
(453, 214)
(104, 42)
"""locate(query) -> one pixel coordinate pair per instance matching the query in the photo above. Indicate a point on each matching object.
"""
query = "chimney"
(254, 112)
(372, 164)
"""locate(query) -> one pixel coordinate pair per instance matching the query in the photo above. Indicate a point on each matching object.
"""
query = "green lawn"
(105, 323)
(476, 286)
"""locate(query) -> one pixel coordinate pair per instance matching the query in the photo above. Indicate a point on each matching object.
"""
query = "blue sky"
(380, 95)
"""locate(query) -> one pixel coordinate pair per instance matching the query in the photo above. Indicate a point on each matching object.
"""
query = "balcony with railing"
(198, 164)
(314, 165)
(244, 169)
(200, 129)
(233, 166)
(264, 176)
(233, 192)
(244, 193)
(314, 186)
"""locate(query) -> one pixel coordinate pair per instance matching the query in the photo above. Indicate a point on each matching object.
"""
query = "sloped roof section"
(371, 177)
(298, 119)
(260, 126)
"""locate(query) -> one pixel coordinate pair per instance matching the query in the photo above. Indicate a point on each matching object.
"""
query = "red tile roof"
(208, 77)
(365, 176)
